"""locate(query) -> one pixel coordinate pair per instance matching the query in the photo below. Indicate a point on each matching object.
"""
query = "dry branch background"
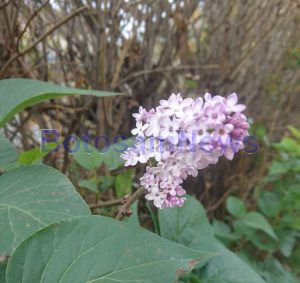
(148, 49)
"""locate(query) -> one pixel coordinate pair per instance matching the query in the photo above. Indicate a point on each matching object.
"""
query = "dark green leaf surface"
(8, 153)
(269, 203)
(236, 207)
(91, 158)
(17, 94)
(106, 182)
(187, 225)
(223, 231)
(98, 249)
(229, 268)
(90, 185)
(287, 241)
(31, 198)
(257, 221)
(2, 272)
(274, 272)
(88, 156)
(123, 183)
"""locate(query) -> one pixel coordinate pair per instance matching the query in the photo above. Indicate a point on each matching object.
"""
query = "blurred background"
(147, 50)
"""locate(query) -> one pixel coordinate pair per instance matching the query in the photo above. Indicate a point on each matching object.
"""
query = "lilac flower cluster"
(182, 136)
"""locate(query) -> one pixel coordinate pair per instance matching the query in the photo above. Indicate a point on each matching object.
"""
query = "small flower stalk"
(182, 136)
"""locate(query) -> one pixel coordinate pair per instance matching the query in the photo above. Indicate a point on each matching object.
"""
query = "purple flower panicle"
(182, 136)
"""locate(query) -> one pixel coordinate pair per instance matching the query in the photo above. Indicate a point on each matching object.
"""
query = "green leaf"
(288, 145)
(273, 272)
(240, 228)
(269, 204)
(263, 241)
(31, 198)
(236, 207)
(2, 272)
(291, 221)
(190, 278)
(90, 185)
(123, 183)
(88, 156)
(111, 155)
(106, 182)
(257, 221)
(278, 168)
(8, 153)
(223, 231)
(154, 217)
(294, 260)
(187, 225)
(257, 237)
(259, 130)
(17, 94)
(91, 158)
(32, 156)
(99, 249)
(295, 132)
(287, 241)
(229, 268)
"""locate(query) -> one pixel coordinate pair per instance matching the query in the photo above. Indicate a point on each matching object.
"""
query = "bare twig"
(106, 203)
(46, 106)
(167, 68)
(33, 15)
(41, 38)
(126, 206)
(220, 201)
(4, 4)
(120, 63)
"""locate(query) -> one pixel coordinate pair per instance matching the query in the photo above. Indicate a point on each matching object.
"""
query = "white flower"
(133, 155)
(231, 105)
(156, 196)
(175, 105)
(153, 128)
(169, 128)
(141, 115)
(140, 129)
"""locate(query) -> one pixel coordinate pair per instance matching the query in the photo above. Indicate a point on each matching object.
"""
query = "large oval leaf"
(98, 249)
(274, 272)
(188, 226)
(31, 198)
(229, 268)
(2, 272)
(256, 220)
(17, 94)
(191, 228)
(8, 153)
